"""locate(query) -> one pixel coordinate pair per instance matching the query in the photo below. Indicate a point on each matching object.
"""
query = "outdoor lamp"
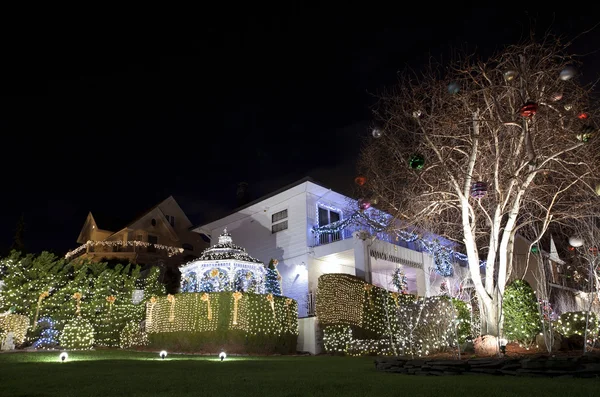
(63, 356)
(163, 354)
(222, 356)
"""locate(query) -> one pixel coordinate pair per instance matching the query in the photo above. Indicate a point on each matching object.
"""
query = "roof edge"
(265, 197)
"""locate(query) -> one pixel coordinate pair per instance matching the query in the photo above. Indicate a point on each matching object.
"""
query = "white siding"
(251, 229)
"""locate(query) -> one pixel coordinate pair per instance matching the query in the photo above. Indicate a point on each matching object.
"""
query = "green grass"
(122, 373)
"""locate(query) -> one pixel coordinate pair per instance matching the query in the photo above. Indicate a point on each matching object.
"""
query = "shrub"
(133, 335)
(15, 323)
(573, 323)
(521, 313)
(78, 334)
(463, 319)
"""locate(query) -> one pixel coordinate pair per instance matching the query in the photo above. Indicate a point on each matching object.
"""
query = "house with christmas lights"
(312, 230)
(159, 236)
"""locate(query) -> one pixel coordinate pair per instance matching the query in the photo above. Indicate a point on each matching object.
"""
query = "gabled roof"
(108, 222)
(265, 197)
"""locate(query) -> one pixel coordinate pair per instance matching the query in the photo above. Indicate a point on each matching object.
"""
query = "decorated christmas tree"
(273, 279)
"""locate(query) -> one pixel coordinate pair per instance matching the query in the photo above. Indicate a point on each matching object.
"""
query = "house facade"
(160, 236)
(312, 230)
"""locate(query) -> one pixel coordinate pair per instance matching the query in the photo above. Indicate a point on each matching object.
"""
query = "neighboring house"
(160, 236)
(310, 230)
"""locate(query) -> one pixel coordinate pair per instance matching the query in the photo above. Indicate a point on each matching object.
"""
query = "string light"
(78, 334)
(360, 318)
(255, 315)
(15, 323)
(120, 243)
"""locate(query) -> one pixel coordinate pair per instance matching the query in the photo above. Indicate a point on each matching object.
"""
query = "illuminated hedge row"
(359, 318)
(198, 321)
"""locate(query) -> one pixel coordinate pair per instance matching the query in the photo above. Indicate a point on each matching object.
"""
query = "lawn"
(122, 373)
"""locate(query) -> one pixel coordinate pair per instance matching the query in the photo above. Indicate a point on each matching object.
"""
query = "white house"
(310, 230)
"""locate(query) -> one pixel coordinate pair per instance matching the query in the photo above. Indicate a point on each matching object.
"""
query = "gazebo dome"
(226, 250)
(223, 267)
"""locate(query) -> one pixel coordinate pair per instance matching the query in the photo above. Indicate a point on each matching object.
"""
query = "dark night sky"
(113, 122)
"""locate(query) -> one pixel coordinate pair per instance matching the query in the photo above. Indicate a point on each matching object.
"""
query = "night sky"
(104, 121)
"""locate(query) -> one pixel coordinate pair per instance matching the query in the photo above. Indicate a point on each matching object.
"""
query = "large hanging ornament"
(374, 200)
(568, 107)
(567, 73)
(417, 114)
(416, 162)
(510, 75)
(598, 189)
(582, 116)
(364, 204)
(557, 96)
(529, 109)
(453, 88)
(360, 180)
(535, 249)
(377, 133)
(478, 189)
(575, 241)
(272, 302)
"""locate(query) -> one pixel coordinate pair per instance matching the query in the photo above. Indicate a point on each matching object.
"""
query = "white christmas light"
(222, 356)
(163, 354)
(63, 356)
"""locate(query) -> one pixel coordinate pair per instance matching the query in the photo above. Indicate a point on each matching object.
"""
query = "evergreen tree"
(18, 243)
(272, 282)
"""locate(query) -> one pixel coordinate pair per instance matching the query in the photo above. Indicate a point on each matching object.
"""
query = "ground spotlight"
(163, 354)
(63, 356)
(222, 356)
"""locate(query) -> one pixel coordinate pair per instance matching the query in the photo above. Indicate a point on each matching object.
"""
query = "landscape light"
(163, 354)
(63, 356)
(222, 356)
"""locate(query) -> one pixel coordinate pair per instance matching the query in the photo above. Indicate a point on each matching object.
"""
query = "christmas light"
(120, 243)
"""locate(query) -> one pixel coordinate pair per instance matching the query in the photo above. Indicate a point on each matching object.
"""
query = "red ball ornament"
(364, 204)
(582, 116)
(529, 109)
(360, 180)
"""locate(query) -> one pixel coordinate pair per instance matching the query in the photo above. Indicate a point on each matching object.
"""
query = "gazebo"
(223, 267)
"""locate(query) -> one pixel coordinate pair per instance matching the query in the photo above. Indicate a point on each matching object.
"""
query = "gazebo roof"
(224, 250)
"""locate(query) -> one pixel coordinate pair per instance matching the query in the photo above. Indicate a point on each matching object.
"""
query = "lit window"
(279, 227)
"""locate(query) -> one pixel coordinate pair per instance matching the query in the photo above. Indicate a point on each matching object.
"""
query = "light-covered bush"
(573, 323)
(133, 335)
(78, 334)
(521, 313)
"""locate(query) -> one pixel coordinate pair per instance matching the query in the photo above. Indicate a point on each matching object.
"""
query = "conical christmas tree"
(272, 281)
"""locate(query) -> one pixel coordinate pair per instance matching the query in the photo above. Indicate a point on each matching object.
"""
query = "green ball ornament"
(416, 162)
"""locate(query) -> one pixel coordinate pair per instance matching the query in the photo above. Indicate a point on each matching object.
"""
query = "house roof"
(108, 222)
(265, 197)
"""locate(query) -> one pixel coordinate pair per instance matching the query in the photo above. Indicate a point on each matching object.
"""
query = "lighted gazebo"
(223, 267)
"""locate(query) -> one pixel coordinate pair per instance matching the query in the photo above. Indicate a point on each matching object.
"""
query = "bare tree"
(464, 150)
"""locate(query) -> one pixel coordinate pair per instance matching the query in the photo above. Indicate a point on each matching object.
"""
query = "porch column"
(362, 258)
(423, 282)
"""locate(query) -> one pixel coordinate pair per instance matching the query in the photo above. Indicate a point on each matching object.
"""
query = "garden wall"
(579, 367)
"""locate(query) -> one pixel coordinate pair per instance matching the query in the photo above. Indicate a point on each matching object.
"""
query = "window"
(140, 237)
(171, 220)
(187, 246)
(279, 227)
(278, 216)
(152, 240)
(278, 222)
(326, 217)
